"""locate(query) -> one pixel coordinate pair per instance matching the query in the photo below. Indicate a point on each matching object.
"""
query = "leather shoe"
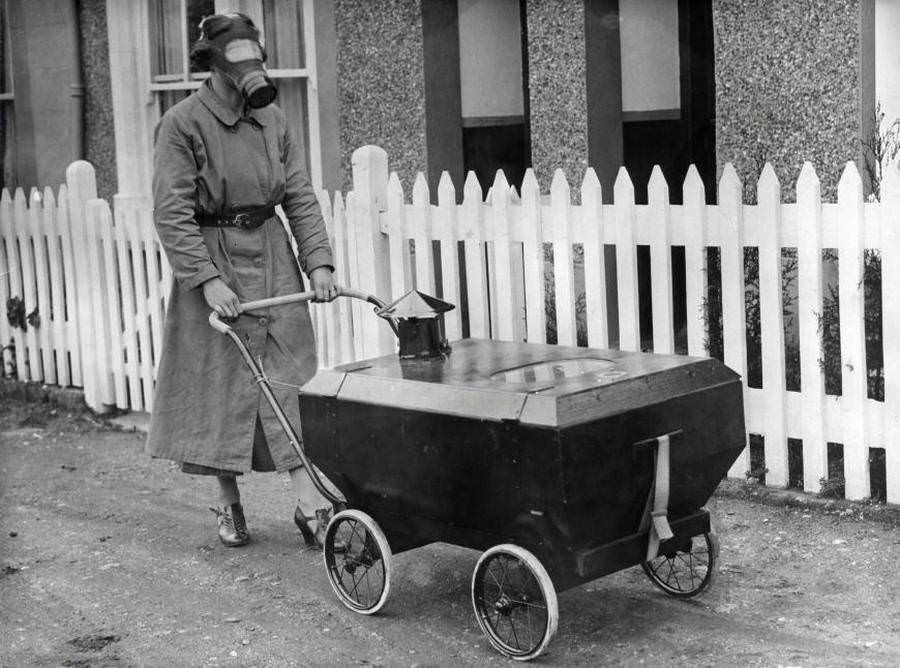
(314, 535)
(232, 525)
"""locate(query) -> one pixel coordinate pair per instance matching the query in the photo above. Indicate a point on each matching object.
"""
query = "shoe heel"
(302, 522)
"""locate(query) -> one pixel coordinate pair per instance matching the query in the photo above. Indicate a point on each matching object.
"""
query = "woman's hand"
(321, 280)
(221, 298)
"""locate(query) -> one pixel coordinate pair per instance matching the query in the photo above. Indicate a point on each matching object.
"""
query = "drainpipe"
(77, 85)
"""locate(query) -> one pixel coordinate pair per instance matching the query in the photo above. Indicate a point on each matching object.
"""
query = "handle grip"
(217, 324)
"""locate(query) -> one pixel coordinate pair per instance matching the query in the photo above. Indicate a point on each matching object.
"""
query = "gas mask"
(236, 52)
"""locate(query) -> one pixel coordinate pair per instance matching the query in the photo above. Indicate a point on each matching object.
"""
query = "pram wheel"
(686, 571)
(361, 575)
(514, 601)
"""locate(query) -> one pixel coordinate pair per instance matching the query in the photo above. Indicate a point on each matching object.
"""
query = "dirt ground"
(109, 558)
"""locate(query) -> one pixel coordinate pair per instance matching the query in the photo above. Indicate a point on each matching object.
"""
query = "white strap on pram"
(656, 514)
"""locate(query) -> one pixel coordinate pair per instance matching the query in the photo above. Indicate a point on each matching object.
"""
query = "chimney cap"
(415, 304)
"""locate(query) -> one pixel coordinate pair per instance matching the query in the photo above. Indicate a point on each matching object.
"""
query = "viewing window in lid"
(553, 370)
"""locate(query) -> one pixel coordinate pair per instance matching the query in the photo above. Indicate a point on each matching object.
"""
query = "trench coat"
(211, 160)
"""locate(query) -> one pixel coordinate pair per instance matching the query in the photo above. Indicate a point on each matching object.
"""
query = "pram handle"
(217, 324)
(260, 379)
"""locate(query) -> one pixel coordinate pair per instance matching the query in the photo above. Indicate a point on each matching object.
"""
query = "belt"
(245, 220)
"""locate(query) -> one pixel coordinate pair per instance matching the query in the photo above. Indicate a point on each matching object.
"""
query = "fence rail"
(521, 266)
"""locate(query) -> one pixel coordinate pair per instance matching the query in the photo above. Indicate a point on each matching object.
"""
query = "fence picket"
(563, 272)
(370, 177)
(344, 335)
(5, 291)
(504, 293)
(325, 317)
(128, 350)
(82, 186)
(660, 263)
(471, 233)
(155, 303)
(398, 241)
(13, 280)
(594, 261)
(420, 222)
(42, 284)
(446, 226)
(771, 324)
(96, 219)
(731, 231)
(695, 279)
(626, 262)
(24, 232)
(96, 215)
(890, 276)
(113, 301)
(533, 260)
(809, 308)
(142, 314)
(354, 277)
(56, 312)
(853, 340)
(73, 335)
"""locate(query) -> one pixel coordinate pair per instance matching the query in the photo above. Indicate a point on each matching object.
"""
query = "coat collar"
(225, 114)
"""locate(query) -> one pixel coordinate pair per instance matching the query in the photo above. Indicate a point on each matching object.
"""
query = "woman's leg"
(313, 510)
(228, 490)
(308, 497)
(230, 515)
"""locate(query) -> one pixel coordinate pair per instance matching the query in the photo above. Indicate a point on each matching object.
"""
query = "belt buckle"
(242, 221)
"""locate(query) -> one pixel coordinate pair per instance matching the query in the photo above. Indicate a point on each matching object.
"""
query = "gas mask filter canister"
(237, 53)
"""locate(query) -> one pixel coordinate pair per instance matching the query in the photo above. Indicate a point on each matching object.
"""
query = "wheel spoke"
(505, 573)
(491, 573)
(530, 627)
(512, 626)
(355, 533)
(355, 585)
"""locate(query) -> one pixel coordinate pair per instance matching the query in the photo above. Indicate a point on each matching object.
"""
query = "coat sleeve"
(174, 197)
(302, 209)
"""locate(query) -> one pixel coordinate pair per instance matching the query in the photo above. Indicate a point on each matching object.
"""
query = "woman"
(224, 159)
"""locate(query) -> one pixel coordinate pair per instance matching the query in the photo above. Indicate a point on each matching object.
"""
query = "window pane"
(169, 98)
(292, 100)
(166, 38)
(6, 82)
(170, 38)
(197, 10)
(283, 29)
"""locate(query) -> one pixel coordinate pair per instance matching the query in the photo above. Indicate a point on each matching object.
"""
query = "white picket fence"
(390, 243)
(100, 284)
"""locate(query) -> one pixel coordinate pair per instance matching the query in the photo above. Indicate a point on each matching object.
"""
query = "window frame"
(187, 80)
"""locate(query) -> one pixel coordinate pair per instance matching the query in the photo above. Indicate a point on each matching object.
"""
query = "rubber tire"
(712, 544)
(547, 591)
(376, 534)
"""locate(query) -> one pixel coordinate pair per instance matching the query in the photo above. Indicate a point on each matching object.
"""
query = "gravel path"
(111, 559)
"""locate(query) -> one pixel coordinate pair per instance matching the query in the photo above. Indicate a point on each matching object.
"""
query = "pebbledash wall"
(789, 87)
(381, 82)
(557, 91)
(99, 139)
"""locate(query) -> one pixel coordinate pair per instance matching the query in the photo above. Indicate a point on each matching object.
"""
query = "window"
(7, 116)
(286, 32)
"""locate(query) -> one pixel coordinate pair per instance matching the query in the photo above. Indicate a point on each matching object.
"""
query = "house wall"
(381, 83)
(46, 76)
(99, 138)
(789, 87)
(557, 90)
